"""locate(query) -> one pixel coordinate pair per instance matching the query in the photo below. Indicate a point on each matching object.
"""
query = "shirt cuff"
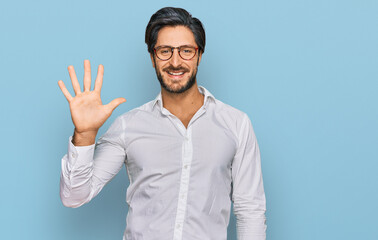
(80, 155)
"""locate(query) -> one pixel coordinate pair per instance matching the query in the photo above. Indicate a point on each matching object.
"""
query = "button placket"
(184, 183)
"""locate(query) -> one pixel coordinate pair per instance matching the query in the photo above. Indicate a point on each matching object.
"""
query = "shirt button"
(73, 155)
(178, 226)
(185, 166)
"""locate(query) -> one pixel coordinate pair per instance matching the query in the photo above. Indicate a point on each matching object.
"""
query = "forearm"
(250, 220)
(87, 169)
(76, 186)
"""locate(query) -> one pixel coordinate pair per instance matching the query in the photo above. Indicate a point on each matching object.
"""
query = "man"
(187, 154)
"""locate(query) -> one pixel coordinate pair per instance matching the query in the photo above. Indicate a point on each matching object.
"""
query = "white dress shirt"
(182, 180)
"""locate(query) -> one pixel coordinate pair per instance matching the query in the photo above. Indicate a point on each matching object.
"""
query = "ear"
(199, 58)
(152, 60)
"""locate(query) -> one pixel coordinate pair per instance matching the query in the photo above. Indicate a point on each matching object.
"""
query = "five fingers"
(87, 84)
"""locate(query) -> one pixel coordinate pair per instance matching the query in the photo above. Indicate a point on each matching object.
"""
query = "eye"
(187, 50)
(164, 51)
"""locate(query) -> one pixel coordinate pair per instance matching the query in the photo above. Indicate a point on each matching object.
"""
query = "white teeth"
(176, 74)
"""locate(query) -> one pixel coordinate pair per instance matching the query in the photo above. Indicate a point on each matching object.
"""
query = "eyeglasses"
(164, 53)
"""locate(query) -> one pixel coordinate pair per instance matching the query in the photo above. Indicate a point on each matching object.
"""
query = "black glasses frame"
(178, 49)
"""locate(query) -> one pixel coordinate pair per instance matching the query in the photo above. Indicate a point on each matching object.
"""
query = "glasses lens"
(187, 52)
(164, 53)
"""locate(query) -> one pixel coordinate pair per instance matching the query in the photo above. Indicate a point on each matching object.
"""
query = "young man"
(187, 154)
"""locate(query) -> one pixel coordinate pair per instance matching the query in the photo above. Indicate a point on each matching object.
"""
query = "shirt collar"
(207, 98)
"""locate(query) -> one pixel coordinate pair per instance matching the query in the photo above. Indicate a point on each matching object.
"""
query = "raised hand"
(87, 111)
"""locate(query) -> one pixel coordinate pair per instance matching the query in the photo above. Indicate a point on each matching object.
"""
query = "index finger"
(100, 75)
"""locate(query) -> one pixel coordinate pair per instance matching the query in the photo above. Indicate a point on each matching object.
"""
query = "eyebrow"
(186, 45)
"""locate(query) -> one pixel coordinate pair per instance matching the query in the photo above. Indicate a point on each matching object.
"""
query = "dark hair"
(170, 16)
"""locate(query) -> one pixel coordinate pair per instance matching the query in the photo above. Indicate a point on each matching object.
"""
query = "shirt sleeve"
(85, 170)
(248, 193)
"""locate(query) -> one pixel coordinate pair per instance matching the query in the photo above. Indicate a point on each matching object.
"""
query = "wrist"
(84, 138)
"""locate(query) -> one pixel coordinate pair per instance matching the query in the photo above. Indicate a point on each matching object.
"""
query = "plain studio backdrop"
(305, 71)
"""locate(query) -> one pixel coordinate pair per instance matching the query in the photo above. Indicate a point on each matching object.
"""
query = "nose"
(175, 59)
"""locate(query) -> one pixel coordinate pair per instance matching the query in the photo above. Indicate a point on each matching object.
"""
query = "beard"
(188, 85)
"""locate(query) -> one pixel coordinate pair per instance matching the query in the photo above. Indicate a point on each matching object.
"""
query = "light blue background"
(304, 71)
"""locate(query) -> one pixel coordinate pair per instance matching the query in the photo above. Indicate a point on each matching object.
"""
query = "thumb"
(115, 103)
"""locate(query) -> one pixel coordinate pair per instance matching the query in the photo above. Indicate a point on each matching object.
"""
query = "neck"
(186, 103)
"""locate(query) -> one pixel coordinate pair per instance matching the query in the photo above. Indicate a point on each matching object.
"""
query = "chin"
(176, 86)
(179, 87)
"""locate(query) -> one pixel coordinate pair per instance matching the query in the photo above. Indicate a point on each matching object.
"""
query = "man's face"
(176, 75)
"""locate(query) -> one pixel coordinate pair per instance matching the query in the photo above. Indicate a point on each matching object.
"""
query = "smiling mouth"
(176, 73)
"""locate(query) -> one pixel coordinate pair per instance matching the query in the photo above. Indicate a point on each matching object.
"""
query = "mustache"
(179, 68)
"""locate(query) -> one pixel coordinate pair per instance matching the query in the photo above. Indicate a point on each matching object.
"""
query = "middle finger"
(87, 75)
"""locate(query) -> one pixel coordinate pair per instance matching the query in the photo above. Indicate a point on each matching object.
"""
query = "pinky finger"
(64, 90)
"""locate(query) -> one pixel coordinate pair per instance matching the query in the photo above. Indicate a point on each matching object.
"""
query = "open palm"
(87, 111)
